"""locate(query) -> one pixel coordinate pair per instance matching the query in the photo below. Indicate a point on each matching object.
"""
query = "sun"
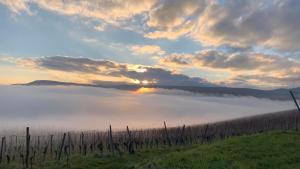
(135, 81)
(145, 82)
(141, 82)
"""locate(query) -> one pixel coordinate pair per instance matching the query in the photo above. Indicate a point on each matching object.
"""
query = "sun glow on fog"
(144, 90)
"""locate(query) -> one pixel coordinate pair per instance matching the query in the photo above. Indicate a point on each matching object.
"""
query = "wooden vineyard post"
(27, 147)
(16, 143)
(69, 149)
(38, 144)
(130, 145)
(61, 146)
(51, 144)
(2, 148)
(94, 142)
(296, 103)
(10, 142)
(205, 137)
(69, 143)
(111, 139)
(81, 143)
(167, 134)
(182, 134)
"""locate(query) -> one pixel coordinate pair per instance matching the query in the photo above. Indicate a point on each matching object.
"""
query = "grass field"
(273, 150)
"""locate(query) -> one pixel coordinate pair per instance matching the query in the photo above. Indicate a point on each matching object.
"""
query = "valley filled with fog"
(70, 107)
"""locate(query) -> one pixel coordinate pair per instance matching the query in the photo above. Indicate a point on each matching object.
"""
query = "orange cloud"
(146, 50)
(107, 10)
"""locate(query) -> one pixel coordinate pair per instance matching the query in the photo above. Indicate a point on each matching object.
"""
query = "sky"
(233, 43)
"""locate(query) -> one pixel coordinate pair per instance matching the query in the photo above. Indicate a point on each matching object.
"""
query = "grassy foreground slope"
(273, 150)
(261, 151)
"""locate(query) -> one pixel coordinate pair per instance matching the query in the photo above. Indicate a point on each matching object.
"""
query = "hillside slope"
(273, 150)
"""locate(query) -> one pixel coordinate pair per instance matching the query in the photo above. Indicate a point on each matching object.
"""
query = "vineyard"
(30, 150)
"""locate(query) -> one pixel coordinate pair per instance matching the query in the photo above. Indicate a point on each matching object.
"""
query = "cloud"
(72, 64)
(22, 62)
(247, 62)
(173, 33)
(165, 77)
(16, 6)
(266, 81)
(174, 18)
(8, 59)
(173, 13)
(115, 12)
(133, 73)
(146, 50)
(89, 40)
(100, 27)
(236, 61)
(107, 10)
(239, 26)
(272, 24)
(176, 60)
(245, 68)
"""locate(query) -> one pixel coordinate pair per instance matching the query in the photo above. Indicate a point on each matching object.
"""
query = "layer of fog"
(96, 108)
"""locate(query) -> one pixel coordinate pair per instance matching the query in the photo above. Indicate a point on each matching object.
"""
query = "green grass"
(274, 150)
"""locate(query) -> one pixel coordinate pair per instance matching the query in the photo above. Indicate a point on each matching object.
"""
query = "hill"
(275, 94)
(271, 150)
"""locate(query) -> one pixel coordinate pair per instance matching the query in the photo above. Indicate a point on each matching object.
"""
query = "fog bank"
(96, 108)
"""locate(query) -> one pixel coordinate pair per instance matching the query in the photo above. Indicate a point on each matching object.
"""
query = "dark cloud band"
(109, 68)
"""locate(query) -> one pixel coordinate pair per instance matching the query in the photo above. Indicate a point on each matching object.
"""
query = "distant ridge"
(52, 83)
(276, 94)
